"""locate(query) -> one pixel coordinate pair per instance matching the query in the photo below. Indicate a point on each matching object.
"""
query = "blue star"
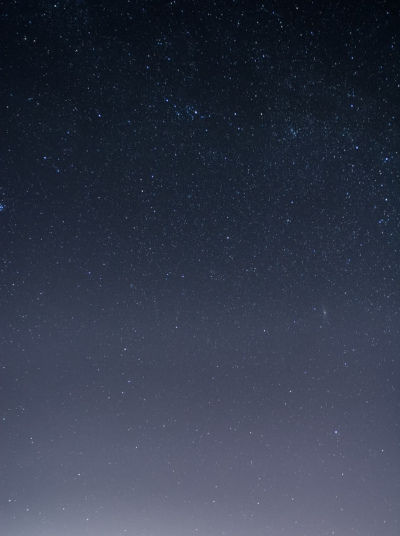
(2, 207)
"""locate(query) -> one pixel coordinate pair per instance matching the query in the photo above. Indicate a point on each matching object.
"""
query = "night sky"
(200, 267)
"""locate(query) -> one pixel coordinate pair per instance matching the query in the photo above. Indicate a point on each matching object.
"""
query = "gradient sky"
(199, 275)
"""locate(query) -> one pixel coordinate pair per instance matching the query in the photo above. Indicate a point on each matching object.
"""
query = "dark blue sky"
(199, 274)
